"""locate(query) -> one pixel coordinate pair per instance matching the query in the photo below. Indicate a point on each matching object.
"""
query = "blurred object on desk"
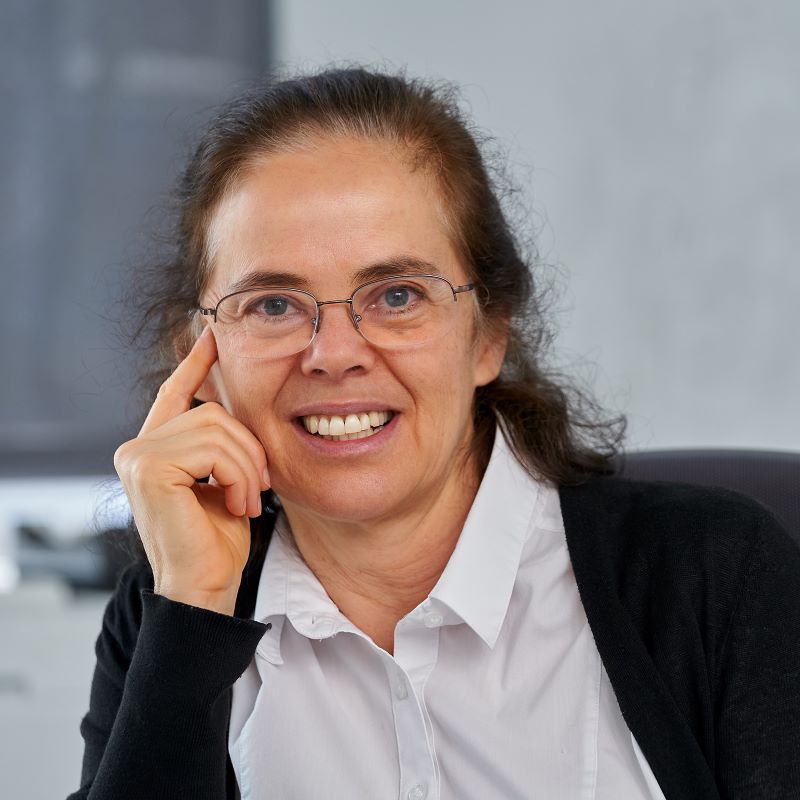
(67, 528)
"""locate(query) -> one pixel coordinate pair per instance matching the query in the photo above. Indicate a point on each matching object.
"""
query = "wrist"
(220, 602)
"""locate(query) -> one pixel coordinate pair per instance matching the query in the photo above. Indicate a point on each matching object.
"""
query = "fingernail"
(265, 478)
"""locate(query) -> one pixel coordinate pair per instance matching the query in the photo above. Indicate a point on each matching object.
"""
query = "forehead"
(326, 212)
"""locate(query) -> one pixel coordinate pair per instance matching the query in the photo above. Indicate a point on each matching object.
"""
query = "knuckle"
(209, 412)
(166, 389)
(141, 466)
(219, 437)
(121, 456)
(218, 452)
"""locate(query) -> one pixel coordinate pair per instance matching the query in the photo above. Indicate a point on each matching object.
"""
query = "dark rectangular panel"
(99, 101)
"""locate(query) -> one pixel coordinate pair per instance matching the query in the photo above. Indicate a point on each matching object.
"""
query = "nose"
(338, 349)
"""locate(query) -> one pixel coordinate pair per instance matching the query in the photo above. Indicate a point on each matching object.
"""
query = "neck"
(377, 571)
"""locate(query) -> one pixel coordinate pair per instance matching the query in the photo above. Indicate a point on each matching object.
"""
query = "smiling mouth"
(346, 428)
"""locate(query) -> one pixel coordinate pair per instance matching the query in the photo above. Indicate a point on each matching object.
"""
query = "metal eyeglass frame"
(355, 318)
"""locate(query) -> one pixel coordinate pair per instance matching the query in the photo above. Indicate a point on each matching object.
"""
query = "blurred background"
(655, 147)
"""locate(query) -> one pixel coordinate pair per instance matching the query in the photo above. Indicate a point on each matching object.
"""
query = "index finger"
(175, 395)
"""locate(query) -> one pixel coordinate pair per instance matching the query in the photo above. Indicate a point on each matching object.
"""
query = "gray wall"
(658, 148)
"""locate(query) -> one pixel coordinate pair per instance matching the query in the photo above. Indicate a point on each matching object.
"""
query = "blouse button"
(417, 792)
(433, 620)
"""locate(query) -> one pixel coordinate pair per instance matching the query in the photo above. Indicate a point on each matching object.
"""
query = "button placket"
(415, 653)
(400, 689)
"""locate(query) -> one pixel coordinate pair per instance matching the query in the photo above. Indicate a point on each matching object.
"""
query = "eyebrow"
(400, 265)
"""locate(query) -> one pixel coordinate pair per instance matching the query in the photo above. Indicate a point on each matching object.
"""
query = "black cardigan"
(693, 597)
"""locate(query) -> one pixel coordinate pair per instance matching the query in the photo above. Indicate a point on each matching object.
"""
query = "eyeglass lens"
(391, 313)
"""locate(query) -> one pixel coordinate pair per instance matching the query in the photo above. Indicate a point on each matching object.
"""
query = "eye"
(273, 305)
(395, 299)
(397, 296)
(262, 309)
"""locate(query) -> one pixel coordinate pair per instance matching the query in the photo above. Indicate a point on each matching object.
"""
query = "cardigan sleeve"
(158, 707)
(758, 708)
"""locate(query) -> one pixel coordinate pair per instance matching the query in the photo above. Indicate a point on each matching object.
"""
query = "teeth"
(349, 436)
(353, 426)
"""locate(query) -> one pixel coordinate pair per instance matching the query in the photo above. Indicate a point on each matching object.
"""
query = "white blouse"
(495, 688)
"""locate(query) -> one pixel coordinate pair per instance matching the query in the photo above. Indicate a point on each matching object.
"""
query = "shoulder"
(658, 533)
(691, 595)
(655, 510)
(665, 500)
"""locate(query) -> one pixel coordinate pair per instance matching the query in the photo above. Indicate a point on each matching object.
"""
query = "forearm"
(169, 736)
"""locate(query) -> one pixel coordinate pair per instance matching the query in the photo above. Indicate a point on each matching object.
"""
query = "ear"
(490, 352)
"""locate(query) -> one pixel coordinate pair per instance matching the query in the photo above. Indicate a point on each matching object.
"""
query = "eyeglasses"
(391, 313)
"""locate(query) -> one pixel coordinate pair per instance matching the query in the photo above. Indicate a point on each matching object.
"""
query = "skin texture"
(376, 526)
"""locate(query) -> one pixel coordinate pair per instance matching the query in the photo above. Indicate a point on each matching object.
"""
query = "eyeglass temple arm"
(467, 287)
(206, 312)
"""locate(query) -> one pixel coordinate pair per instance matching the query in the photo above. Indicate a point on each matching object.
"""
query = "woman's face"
(324, 214)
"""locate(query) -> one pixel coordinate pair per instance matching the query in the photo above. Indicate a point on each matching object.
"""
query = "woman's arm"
(158, 709)
(758, 708)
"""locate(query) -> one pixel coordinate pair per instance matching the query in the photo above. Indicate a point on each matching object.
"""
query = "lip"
(369, 445)
(342, 409)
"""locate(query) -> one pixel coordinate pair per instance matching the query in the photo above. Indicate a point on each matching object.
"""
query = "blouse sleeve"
(758, 710)
(158, 707)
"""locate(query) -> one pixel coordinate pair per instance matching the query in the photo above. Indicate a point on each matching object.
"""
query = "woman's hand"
(196, 536)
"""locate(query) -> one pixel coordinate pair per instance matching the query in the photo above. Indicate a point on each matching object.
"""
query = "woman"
(458, 601)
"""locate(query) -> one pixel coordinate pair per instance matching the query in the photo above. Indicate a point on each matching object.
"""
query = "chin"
(345, 498)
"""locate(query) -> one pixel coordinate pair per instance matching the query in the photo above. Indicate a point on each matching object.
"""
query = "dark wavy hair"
(555, 430)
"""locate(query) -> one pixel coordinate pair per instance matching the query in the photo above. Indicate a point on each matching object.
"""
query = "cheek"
(250, 388)
(441, 382)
